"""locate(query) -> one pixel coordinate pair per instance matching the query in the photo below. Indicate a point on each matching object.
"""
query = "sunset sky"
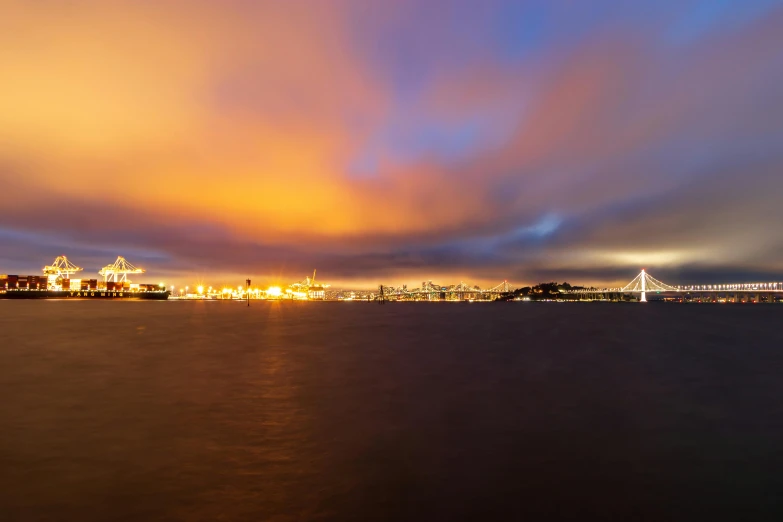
(394, 141)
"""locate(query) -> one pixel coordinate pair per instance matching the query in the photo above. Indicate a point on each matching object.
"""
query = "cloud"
(380, 140)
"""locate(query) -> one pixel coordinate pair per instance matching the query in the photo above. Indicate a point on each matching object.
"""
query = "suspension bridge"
(644, 283)
(639, 288)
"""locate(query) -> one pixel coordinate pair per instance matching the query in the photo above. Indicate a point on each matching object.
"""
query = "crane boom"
(61, 267)
(120, 267)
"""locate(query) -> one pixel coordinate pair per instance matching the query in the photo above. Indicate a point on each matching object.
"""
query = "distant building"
(316, 293)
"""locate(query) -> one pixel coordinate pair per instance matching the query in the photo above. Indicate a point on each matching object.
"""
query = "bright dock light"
(274, 291)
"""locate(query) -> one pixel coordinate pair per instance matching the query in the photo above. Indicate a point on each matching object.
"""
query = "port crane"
(61, 268)
(303, 287)
(119, 270)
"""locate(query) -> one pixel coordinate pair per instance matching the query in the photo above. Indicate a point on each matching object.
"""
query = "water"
(142, 411)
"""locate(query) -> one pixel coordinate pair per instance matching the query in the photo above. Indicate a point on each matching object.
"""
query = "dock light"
(200, 289)
(274, 291)
(161, 285)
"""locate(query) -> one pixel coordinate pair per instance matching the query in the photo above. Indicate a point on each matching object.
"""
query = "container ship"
(58, 283)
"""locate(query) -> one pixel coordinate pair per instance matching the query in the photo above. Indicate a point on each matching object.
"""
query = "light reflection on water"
(327, 411)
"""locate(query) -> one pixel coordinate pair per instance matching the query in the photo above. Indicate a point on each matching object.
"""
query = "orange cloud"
(247, 117)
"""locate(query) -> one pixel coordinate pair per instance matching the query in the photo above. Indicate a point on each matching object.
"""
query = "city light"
(274, 291)
(200, 289)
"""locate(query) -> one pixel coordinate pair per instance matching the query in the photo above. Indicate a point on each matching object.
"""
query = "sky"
(394, 142)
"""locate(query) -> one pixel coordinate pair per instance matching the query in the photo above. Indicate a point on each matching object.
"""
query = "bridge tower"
(643, 283)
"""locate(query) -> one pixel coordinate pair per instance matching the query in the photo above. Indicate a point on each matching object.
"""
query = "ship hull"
(84, 294)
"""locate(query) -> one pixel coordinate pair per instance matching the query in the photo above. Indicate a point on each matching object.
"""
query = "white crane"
(61, 267)
(119, 270)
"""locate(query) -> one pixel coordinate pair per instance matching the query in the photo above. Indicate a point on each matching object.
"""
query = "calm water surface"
(209, 411)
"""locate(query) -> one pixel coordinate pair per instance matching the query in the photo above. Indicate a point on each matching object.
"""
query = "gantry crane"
(61, 268)
(119, 270)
